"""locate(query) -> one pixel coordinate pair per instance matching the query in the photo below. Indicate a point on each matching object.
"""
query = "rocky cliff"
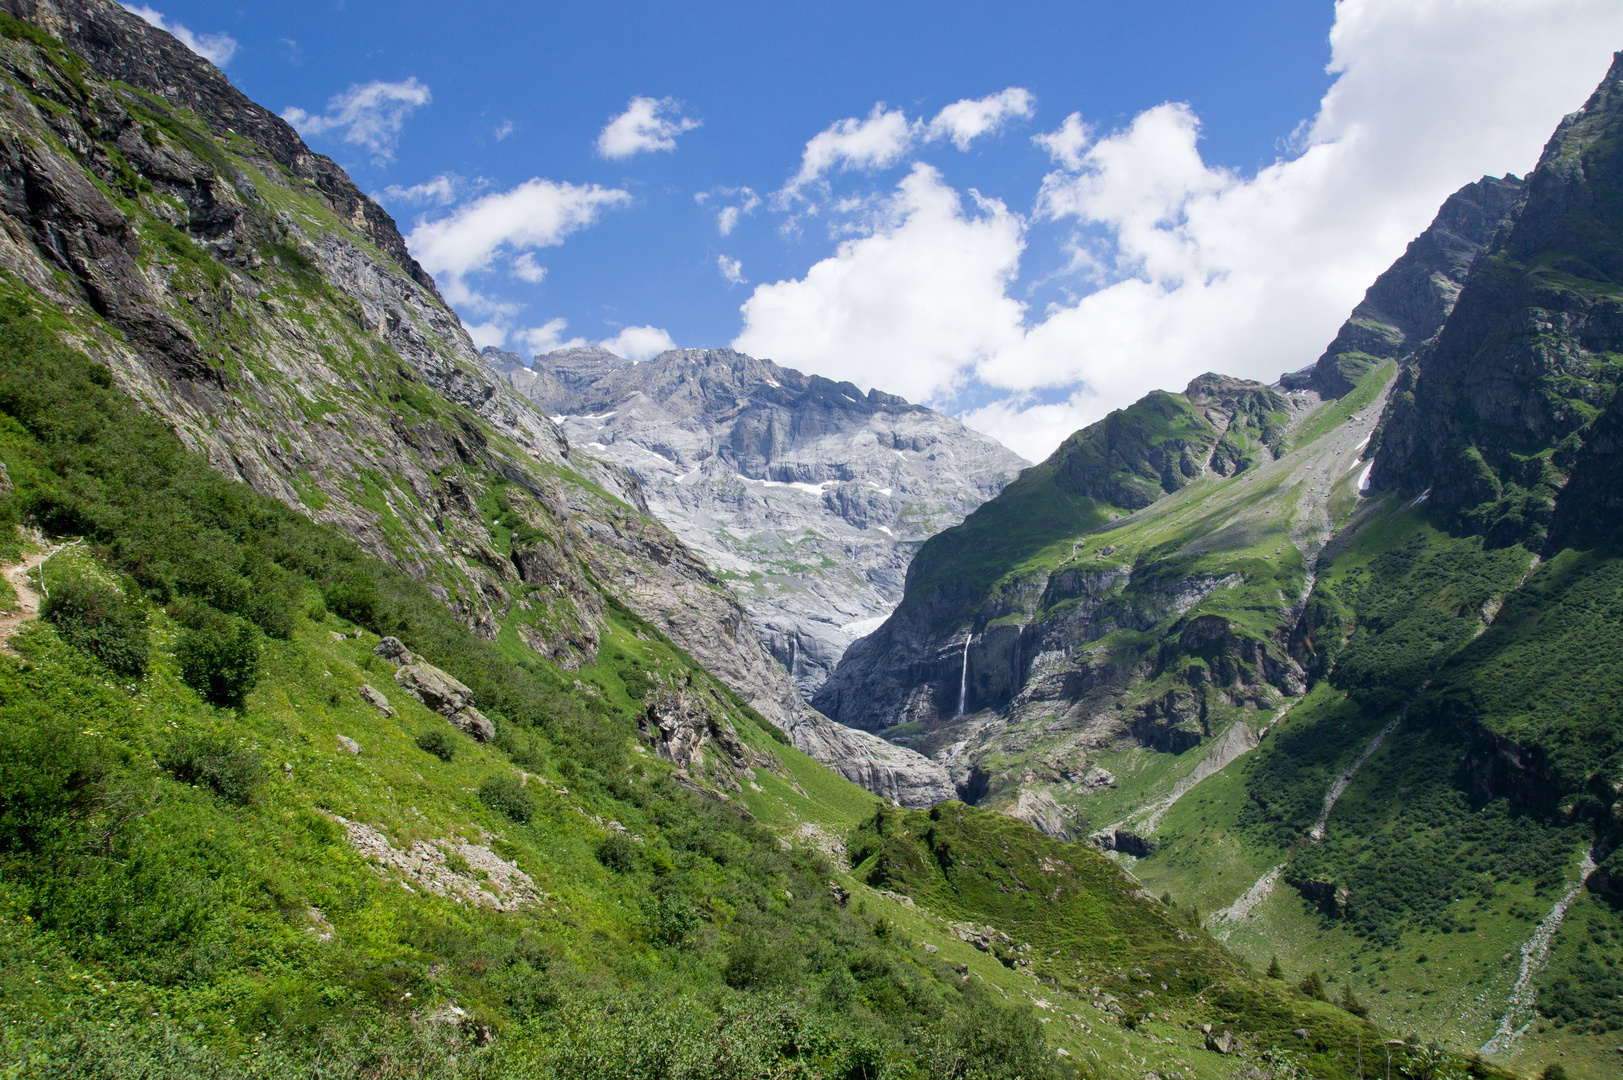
(1406, 306)
(242, 289)
(1491, 418)
(807, 496)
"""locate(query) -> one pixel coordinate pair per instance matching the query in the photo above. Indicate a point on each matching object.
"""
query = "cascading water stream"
(963, 679)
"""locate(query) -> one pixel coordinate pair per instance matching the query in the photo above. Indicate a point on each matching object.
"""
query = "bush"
(617, 853)
(50, 776)
(506, 795)
(100, 621)
(439, 742)
(219, 658)
(354, 598)
(232, 772)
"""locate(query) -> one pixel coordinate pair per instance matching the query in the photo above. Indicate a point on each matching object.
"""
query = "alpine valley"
(359, 719)
(1332, 665)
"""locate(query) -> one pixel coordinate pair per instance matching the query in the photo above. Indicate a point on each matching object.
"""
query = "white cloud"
(887, 136)
(547, 337)
(1065, 146)
(908, 308)
(535, 214)
(503, 130)
(741, 201)
(731, 269)
(370, 115)
(969, 119)
(217, 49)
(874, 143)
(648, 124)
(639, 343)
(443, 190)
(1191, 266)
(525, 268)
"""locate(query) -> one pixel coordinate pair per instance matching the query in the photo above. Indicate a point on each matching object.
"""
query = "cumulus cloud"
(1065, 145)
(969, 119)
(547, 337)
(1184, 266)
(731, 269)
(639, 343)
(648, 124)
(910, 307)
(370, 115)
(535, 214)
(887, 136)
(217, 49)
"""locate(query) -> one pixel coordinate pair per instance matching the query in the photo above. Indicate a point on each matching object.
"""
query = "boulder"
(349, 744)
(1221, 1042)
(394, 651)
(444, 695)
(372, 696)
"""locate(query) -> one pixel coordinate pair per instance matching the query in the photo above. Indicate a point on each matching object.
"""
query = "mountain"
(1333, 661)
(354, 724)
(807, 496)
(286, 334)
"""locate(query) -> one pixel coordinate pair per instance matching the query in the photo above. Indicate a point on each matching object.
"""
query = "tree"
(1274, 970)
(1313, 987)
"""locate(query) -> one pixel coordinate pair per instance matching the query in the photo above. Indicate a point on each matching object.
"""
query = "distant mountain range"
(808, 497)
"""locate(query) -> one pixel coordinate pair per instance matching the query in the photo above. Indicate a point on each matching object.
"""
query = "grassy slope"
(1435, 865)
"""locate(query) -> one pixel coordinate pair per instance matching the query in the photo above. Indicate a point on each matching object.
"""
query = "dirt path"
(28, 598)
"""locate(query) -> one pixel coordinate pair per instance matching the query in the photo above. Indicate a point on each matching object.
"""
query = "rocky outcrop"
(434, 688)
(1521, 367)
(1409, 303)
(122, 46)
(807, 496)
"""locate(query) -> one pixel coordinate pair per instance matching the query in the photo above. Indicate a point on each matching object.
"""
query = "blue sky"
(1233, 178)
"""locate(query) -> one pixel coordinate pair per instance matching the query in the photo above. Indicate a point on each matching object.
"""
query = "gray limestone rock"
(446, 696)
(807, 496)
(374, 697)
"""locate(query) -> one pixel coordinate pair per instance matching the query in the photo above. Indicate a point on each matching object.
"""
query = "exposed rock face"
(1522, 364)
(807, 496)
(1408, 303)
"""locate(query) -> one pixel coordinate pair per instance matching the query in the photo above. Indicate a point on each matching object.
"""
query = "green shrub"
(671, 918)
(617, 853)
(50, 776)
(232, 772)
(100, 621)
(219, 658)
(1313, 987)
(439, 742)
(355, 598)
(506, 795)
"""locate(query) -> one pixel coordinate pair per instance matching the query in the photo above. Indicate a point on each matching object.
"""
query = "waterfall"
(794, 655)
(963, 678)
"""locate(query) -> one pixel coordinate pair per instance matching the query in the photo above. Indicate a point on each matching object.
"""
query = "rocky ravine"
(807, 496)
(269, 313)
